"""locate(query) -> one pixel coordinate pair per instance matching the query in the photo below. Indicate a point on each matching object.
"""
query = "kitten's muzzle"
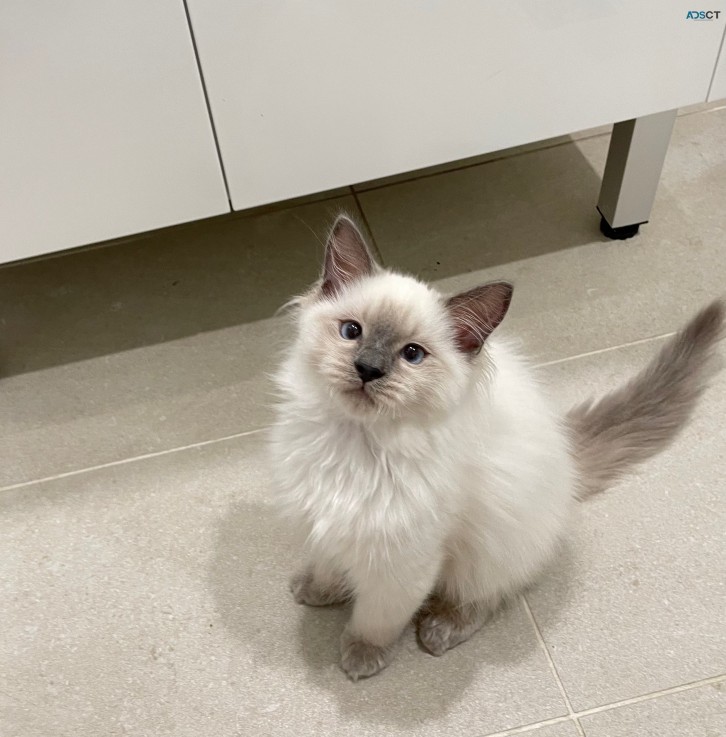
(367, 372)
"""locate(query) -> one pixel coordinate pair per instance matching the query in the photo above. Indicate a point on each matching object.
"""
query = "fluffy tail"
(636, 421)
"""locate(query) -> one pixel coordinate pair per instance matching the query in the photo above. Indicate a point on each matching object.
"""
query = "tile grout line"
(552, 666)
(494, 159)
(211, 441)
(531, 727)
(131, 459)
(364, 218)
(586, 354)
(652, 696)
(714, 109)
(525, 728)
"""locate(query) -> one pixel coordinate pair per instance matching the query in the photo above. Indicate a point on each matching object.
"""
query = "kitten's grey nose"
(367, 372)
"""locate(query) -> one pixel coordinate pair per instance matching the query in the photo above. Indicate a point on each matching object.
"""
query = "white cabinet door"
(311, 95)
(104, 129)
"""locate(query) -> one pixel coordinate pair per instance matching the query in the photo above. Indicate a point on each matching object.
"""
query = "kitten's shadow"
(297, 651)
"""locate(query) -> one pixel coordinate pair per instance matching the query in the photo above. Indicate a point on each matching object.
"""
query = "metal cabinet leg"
(635, 159)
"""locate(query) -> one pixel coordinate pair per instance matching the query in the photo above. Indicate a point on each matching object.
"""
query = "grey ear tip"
(501, 286)
(508, 288)
(343, 218)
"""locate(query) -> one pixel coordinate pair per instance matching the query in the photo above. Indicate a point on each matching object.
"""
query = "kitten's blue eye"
(413, 353)
(350, 330)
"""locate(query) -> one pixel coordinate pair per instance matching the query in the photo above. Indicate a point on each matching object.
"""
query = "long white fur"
(464, 486)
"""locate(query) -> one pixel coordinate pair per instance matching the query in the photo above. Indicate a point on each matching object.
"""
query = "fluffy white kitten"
(419, 457)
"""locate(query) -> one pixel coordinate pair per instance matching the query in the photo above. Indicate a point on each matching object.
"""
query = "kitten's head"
(383, 345)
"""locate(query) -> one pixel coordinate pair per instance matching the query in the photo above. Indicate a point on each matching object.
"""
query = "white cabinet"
(104, 129)
(307, 96)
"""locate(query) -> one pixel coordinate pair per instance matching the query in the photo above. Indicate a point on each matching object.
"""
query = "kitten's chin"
(358, 401)
(359, 395)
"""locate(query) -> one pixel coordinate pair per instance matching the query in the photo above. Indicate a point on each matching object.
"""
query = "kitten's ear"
(477, 312)
(347, 257)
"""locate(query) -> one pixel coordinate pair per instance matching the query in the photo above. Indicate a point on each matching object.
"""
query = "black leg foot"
(618, 234)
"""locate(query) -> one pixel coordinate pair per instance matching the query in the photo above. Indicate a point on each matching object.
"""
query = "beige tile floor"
(143, 571)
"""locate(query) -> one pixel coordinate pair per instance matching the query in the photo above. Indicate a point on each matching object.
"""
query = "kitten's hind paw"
(361, 659)
(442, 625)
(307, 590)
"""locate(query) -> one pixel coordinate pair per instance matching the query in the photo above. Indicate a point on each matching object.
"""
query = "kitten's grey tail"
(641, 418)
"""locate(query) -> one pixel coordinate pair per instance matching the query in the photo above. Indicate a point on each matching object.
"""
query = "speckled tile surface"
(699, 711)
(151, 598)
(636, 603)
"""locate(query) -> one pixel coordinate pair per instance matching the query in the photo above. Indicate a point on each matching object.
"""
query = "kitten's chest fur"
(356, 488)
(493, 478)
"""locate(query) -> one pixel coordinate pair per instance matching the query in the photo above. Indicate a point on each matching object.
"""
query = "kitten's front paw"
(306, 590)
(361, 659)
